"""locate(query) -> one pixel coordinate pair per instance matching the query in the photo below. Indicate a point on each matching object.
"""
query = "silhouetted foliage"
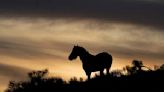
(117, 73)
(137, 65)
(161, 67)
(37, 82)
(117, 80)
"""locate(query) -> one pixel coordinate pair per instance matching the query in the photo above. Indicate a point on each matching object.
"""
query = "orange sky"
(39, 43)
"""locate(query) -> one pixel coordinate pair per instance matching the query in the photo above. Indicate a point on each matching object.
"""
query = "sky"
(40, 34)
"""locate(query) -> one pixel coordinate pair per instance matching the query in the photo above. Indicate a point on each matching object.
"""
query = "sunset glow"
(36, 42)
(41, 43)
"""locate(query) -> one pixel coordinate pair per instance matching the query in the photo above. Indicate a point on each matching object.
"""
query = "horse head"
(74, 53)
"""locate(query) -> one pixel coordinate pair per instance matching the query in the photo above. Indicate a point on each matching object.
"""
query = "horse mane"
(83, 50)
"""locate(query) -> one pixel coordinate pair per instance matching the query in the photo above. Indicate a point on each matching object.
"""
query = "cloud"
(56, 37)
(24, 48)
(142, 12)
(13, 72)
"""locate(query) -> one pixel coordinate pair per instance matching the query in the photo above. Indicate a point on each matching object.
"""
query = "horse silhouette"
(92, 63)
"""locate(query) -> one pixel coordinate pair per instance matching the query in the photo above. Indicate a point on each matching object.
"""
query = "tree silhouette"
(137, 65)
(36, 77)
(37, 82)
(162, 67)
(159, 68)
(135, 68)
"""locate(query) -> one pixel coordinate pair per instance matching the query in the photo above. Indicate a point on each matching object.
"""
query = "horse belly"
(93, 68)
(90, 68)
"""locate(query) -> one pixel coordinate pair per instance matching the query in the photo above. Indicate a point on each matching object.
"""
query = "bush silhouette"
(137, 65)
(37, 82)
(115, 81)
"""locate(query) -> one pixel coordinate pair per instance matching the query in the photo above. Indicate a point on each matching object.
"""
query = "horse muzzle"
(70, 58)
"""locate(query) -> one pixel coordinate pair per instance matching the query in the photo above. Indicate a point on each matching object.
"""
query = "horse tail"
(110, 60)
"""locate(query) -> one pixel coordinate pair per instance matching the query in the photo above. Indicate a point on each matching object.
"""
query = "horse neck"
(84, 56)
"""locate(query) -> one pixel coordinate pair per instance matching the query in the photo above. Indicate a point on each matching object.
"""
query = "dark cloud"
(130, 11)
(13, 72)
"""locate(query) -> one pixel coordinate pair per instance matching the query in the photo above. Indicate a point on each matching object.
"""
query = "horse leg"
(89, 75)
(101, 72)
(107, 70)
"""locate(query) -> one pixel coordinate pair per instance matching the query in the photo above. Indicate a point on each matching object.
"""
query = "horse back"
(103, 55)
(103, 58)
(98, 62)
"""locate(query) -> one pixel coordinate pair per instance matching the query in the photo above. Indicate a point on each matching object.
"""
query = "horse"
(92, 63)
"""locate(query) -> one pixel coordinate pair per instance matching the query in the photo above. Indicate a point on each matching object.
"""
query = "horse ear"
(76, 45)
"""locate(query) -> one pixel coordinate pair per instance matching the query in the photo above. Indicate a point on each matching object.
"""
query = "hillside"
(133, 80)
